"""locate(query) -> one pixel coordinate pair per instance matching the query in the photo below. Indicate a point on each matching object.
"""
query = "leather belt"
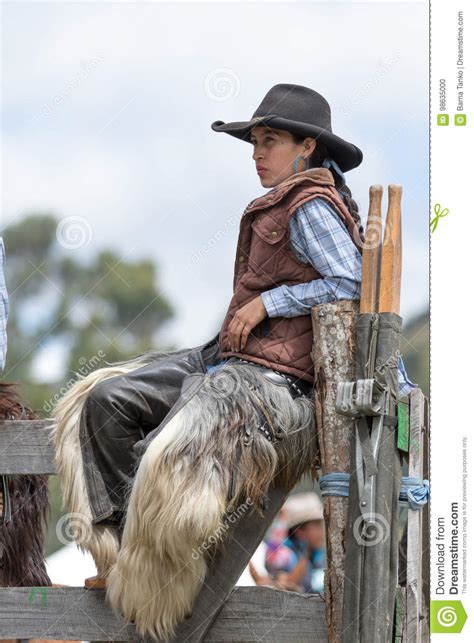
(296, 385)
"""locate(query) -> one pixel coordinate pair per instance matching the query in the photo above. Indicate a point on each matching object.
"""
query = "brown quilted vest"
(265, 260)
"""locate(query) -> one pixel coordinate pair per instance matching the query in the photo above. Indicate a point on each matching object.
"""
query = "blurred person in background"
(295, 556)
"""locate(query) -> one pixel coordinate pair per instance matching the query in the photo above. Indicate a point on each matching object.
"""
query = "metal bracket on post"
(359, 400)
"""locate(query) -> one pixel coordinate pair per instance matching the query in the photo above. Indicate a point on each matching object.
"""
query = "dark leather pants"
(123, 414)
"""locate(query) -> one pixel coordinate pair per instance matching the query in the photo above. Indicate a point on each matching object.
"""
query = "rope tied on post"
(414, 492)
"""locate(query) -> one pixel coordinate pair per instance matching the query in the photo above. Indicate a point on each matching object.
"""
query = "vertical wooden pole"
(372, 555)
(380, 576)
(369, 291)
(425, 557)
(414, 528)
(334, 361)
(354, 561)
(391, 262)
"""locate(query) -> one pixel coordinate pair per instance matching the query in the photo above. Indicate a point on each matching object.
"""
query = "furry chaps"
(100, 540)
(209, 457)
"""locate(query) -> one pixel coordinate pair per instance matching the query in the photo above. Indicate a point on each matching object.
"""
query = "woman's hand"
(244, 320)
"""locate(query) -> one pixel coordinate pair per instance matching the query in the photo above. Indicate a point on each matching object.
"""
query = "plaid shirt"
(318, 237)
(3, 308)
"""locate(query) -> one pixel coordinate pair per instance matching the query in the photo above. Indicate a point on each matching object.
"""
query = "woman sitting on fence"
(154, 451)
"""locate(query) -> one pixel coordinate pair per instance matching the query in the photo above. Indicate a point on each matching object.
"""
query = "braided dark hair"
(316, 160)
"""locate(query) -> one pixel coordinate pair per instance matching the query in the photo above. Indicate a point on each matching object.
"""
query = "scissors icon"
(438, 214)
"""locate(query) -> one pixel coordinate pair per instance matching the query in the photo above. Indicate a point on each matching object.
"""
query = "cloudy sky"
(107, 109)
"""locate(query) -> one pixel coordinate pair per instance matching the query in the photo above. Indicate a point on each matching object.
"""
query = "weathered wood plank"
(334, 362)
(75, 613)
(355, 550)
(380, 575)
(379, 579)
(425, 564)
(414, 528)
(400, 616)
(269, 615)
(25, 447)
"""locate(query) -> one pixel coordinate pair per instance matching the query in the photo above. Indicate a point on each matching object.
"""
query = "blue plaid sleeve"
(318, 237)
(3, 308)
(405, 385)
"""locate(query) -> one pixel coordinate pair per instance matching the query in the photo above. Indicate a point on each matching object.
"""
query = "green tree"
(106, 310)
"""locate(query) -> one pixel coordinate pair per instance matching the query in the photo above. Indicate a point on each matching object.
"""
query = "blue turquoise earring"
(296, 161)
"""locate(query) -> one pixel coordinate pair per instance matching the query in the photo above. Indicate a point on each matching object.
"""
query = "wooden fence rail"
(222, 612)
(75, 613)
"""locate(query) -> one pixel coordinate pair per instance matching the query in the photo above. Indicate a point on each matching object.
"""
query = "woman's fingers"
(244, 335)
(244, 320)
(236, 327)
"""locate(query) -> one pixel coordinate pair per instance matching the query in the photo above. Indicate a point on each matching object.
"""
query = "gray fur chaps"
(209, 458)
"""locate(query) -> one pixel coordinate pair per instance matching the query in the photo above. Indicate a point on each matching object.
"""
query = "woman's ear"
(310, 144)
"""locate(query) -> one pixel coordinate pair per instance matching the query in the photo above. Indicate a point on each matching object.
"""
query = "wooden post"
(414, 582)
(426, 521)
(369, 290)
(372, 553)
(381, 557)
(334, 361)
(369, 300)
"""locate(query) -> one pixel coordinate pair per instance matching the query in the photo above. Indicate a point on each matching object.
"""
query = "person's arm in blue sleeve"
(3, 308)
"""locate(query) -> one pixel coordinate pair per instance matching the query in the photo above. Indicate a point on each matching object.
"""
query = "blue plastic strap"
(414, 492)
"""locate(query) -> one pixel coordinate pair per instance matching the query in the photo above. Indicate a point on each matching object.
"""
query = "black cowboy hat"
(299, 110)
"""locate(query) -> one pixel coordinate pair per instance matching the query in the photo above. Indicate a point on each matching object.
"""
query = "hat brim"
(347, 155)
(304, 518)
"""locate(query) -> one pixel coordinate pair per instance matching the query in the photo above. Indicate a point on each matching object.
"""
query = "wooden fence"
(223, 612)
(334, 361)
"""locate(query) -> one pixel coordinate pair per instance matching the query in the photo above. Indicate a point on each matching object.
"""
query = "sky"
(106, 114)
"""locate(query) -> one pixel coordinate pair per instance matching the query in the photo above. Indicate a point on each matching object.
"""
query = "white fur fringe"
(100, 540)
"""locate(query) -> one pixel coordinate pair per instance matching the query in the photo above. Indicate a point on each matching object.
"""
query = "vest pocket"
(265, 248)
(268, 230)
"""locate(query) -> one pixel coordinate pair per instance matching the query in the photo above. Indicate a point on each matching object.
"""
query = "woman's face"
(274, 153)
